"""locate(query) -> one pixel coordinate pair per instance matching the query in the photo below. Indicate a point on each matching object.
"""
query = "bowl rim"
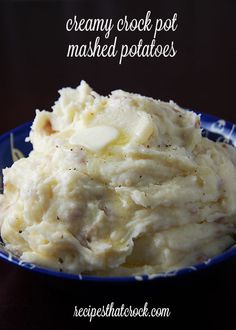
(206, 119)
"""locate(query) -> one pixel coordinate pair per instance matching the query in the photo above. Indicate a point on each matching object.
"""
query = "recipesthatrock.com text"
(113, 311)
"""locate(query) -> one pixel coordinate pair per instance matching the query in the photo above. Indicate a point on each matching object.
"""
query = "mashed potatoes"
(118, 185)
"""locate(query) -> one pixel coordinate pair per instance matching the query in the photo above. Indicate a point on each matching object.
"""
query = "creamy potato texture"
(118, 185)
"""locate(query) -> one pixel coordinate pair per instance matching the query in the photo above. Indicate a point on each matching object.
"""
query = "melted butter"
(95, 138)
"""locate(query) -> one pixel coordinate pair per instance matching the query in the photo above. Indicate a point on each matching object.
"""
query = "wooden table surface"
(201, 76)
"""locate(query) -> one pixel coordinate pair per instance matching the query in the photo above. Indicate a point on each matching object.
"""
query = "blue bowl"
(13, 147)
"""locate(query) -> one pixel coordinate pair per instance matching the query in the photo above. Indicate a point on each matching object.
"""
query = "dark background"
(201, 76)
(34, 66)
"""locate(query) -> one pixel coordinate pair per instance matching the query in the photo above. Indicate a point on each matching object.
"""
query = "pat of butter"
(95, 138)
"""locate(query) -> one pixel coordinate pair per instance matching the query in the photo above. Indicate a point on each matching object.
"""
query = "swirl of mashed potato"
(118, 185)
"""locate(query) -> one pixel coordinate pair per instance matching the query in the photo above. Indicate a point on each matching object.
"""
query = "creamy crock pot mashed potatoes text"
(118, 185)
